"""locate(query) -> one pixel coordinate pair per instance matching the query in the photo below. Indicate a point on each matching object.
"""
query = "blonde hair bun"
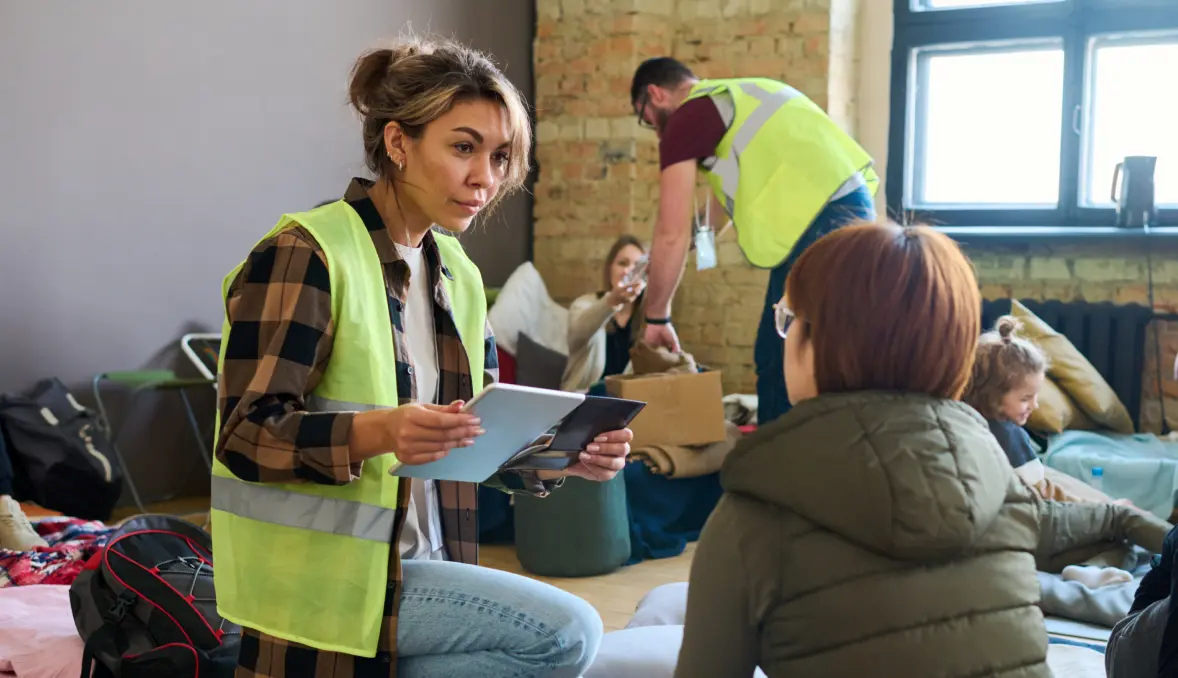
(1007, 327)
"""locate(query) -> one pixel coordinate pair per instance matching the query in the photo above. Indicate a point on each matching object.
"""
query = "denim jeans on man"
(768, 354)
(464, 620)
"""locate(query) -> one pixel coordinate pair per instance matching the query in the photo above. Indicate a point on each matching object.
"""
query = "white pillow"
(663, 605)
(646, 652)
(523, 305)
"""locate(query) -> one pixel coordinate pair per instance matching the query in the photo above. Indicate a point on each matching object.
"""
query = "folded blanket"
(688, 462)
(71, 543)
(1104, 606)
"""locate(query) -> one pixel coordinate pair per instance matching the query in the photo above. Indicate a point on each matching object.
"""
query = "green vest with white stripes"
(309, 562)
(778, 165)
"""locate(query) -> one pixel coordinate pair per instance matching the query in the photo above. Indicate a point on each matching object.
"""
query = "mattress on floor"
(1141, 467)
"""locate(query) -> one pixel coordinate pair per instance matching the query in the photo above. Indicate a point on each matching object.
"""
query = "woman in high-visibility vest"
(353, 334)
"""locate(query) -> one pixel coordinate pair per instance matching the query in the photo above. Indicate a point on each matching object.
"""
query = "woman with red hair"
(876, 528)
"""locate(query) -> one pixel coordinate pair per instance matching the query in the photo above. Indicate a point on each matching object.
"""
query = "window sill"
(1057, 233)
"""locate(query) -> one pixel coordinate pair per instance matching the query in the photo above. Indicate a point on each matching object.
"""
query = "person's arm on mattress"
(280, 339)
(1066, 526)
(720, 636)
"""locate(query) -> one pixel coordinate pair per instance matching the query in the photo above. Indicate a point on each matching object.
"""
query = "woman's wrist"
(369, 435)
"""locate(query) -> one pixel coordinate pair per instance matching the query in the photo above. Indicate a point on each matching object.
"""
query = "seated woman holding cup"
(601, 323)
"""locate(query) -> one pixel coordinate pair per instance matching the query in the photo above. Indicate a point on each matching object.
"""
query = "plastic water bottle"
(1098, 478)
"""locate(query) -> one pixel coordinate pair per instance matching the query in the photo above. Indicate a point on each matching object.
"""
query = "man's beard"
(660, 119)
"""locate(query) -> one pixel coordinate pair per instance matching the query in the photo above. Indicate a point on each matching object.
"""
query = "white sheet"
(38, 638)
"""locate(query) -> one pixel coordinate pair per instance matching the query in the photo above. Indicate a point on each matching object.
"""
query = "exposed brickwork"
(1095, 272)
(599, 170)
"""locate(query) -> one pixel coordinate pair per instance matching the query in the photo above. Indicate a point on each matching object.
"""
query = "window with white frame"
(1016, 112)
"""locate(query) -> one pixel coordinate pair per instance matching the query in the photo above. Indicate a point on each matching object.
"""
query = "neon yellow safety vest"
(309, 562)
(778, 165)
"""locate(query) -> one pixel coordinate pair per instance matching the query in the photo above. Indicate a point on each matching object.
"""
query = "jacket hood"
(908, 476)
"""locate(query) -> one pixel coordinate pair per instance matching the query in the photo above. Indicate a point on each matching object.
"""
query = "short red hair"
(888, 307)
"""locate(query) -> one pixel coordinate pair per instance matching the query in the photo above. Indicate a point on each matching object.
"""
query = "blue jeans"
(769, 353)
(464, 620)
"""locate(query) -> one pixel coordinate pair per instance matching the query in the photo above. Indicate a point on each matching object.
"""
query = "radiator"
(1112, 337)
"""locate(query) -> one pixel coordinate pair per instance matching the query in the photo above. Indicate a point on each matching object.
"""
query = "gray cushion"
(537, 365)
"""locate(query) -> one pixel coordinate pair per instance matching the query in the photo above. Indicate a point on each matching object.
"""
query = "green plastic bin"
(581, 529)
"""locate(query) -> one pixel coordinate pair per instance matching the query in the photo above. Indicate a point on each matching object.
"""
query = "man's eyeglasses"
(641, 111)
(783, 317)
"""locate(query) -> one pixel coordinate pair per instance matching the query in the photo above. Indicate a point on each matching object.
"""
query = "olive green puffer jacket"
(868, 534)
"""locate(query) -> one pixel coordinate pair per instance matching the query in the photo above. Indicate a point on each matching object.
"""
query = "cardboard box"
(681, 409)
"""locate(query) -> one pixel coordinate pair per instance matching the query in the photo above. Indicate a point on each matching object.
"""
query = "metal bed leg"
(112, 433)
(204, 450)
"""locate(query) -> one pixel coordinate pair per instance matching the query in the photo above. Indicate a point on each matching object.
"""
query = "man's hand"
(661, 335)
(604, 458)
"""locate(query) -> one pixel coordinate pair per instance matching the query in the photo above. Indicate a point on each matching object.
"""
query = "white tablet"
(513, 416)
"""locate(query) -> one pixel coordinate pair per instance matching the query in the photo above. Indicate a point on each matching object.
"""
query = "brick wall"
(599, 170)
(1096, 273)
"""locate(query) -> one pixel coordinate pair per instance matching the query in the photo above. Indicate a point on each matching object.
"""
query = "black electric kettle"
(1135, 204)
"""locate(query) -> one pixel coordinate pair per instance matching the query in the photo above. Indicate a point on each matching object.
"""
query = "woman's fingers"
(441, 437)
(413, 458)
(442, 418)
(618, 437)
(607, 462)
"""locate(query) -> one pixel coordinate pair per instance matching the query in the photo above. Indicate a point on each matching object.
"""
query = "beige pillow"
(1074, 375)
(1057, 413)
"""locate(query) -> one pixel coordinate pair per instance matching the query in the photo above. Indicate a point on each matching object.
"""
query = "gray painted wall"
(144, 146)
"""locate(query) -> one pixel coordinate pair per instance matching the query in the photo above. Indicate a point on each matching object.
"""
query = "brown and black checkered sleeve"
(279, 343)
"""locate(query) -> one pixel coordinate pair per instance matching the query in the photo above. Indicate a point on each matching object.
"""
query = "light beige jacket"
(588, 316)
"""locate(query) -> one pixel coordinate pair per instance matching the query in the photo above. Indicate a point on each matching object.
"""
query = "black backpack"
(60, 453)
(145, 605)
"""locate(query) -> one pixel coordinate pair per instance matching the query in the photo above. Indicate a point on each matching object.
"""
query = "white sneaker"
(16, 532)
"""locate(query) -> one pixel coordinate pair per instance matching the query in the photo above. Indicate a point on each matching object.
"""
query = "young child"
(1008, 372)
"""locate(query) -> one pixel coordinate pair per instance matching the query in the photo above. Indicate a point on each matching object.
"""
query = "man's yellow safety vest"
(309, 562)
(778, 165)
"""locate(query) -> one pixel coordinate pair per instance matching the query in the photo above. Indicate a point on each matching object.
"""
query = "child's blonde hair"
(1001, 361)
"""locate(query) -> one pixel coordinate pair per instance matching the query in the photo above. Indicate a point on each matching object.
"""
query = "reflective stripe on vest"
(274, 505)
(777, 165)
(270, 504)
(728, 169)
(317, 403)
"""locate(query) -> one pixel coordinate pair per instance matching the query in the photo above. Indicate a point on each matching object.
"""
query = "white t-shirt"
(421, 538)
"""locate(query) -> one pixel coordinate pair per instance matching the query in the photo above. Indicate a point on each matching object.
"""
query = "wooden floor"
(615, 595)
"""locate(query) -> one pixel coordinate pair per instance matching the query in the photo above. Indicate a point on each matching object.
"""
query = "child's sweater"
(1017, 445)
(1018, 448)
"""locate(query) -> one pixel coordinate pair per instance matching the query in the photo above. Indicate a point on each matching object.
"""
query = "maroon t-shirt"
(692, 133)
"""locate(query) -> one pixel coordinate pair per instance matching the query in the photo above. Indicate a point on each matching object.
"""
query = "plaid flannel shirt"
(280, 340)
